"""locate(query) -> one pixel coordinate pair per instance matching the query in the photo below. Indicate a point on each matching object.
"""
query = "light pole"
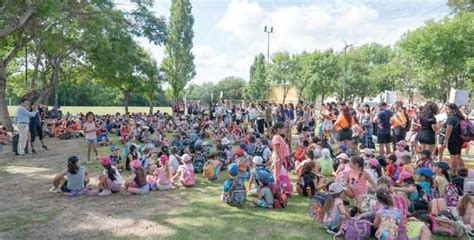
(268, 30)
(346, 46)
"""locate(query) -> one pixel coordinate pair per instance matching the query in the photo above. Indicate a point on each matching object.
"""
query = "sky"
(229, 33)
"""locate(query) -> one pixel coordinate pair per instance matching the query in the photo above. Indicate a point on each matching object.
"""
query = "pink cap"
(135, 164)
(164, 159)
(105, 161)
(401, 143)
(373, 162)
(404, 176)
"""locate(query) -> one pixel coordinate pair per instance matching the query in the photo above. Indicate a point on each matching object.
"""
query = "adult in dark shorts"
(427, 134)
(453, 136)
(36, 127)
(384, 129)
(399, 123)
(343, 127)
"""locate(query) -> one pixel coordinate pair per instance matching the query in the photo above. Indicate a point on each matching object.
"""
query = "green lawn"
(204, 216)
(101, 110)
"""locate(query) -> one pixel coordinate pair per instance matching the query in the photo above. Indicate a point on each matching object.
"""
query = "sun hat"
(105, 161)
(186, 157)
(164, 159)
(135, 164)
(426, 172)
(225, 141)
(442, 165)
(373, 162)
(404, 176)
(257, 160)
(402, 143)
(343, 156)
(335, 188)
(233, 170)
(114, 148)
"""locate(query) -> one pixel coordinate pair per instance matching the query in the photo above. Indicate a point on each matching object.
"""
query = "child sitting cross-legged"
(185, 172)
(72, 180)
(309, 181)
(233, 189)
(334, 211)
(110, 181)
(137, 182)
(212, 167)
(262, 178)
(162, 175)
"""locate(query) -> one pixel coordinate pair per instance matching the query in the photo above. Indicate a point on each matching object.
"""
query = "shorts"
(344, 135)
(383, 138)
(454, 148)
(91, 141)
(64, 188)
(163, 187)
(441, 140)
(144, 189)
(427, 138)
(113, 187)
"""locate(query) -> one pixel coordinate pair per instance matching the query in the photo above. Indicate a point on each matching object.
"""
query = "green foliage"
(283, 71)
(232, 89)
(461, 5)
(258, 86)
(178, 64)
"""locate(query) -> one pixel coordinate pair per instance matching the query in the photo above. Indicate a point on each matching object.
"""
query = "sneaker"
(45, 148)
(33, 151)
(105, 192)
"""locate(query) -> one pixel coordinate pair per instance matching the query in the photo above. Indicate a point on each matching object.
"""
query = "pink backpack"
(285, 183)
(188, 176)
(446, 226)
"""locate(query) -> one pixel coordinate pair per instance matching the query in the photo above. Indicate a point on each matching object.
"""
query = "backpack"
(198, 163)
(316, 206)
(285, 183)
(445, 226)
(237, 194)
(356, 229)
(308, 181)
(208, 171)
(369, 204)
(188, 176)
(263, 175)
(467, 130)
(223, 158)
(281, 200)
(452, 195)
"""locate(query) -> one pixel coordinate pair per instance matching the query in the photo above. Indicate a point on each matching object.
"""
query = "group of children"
(389, 196)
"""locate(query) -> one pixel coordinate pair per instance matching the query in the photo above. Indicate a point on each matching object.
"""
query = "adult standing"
(427, 134)
(22, 120)
(384, 129)
(399, 123)
(366, 121)
(281, 157)
(453, 136)
(36, 128)
(343, 127)
(261, 119)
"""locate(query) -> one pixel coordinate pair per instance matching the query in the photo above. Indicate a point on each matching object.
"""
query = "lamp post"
(346, 46)
(268, 30)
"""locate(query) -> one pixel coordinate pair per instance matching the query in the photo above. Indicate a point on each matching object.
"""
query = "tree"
(231, 87)
(178, 64)
(461, 5)
(258, 86)
(323, 70)
(440, 52)
(282, 72)
(201, 92)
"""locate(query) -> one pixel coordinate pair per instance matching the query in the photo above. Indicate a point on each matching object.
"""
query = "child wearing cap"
(110, 181)
(72, 179)
(334, 211)
(407, 185)
(441, 181)
(185, 172)
(374, 170)
(424, 180)
(344, 167)
(263, 193)
(137, 182)
(115, 157)
(229, 184)
(401, 150)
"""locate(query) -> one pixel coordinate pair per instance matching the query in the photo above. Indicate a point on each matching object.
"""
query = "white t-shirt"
(173, 163)
(118, 177)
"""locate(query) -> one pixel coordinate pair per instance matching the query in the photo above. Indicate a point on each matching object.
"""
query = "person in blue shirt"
(384, 131)
(22, 121)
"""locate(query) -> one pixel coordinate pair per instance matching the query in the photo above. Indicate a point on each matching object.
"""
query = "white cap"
(225, 141)
(257, 160)
(186, 157)
(335, 188)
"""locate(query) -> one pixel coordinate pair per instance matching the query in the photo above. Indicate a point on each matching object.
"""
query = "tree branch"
(22, 21)
(20, 44)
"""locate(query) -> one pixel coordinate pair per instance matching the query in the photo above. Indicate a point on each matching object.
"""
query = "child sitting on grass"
(116, 158)
(163, 175)
(212, 167)
(262, 177)
(387, 219)
(110, 181)
(309, 182)
(137, 182)
(233, 189)
(186, 172)
(334, 211)
(73, 179)
(406, 165)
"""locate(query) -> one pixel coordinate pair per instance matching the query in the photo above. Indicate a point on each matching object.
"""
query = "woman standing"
(281, 157)
(261, 119)
(327, 117)
(453, 137)
(343, 127)
(427, 133)
(367, 122)
(399, 123)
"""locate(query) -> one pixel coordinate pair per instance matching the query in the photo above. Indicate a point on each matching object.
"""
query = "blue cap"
(243, 146)
(342, 147)
(442, 165)
(426, 172)
(233, 170)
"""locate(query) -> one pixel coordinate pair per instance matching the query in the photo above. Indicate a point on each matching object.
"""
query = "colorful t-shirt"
(334, 218)
(389, 223)
(89, 129)
(278, 140)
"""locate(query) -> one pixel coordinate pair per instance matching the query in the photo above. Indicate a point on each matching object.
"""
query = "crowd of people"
(405, 190)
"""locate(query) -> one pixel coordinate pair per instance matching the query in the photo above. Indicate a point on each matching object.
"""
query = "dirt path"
(28, 210)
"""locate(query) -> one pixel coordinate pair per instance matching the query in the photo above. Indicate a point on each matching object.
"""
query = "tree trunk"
(44, 95)
(4, 115)
(35, 71)
(150, 112)
(126, 99)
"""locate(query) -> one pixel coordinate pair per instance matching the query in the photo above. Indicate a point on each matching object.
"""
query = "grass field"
(101, 110)
(30, 211)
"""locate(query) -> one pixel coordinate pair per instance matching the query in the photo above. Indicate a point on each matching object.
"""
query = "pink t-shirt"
(90, 126)
(357, 183)
(278, 140)
(162, 179)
